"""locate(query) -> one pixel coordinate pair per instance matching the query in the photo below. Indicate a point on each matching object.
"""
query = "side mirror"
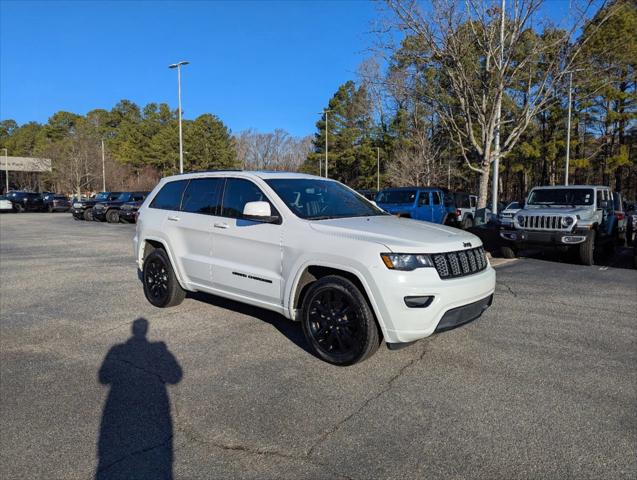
(259, 212)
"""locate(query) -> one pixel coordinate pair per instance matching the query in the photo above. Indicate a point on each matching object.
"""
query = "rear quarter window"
(169, 197)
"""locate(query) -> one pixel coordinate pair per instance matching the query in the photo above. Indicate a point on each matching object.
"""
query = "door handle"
(174, 218)
(221, 225)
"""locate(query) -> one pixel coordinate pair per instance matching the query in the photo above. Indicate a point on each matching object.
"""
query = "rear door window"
(169, 197)
(423, 199)
(436, 198)
(203, 195)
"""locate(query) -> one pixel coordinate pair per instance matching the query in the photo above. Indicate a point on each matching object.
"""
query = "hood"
(582, 211)
(400, 235)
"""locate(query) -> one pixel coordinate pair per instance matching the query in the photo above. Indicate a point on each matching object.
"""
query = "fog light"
(419, 302)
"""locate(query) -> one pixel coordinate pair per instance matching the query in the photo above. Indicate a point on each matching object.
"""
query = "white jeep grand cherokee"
(312, 250)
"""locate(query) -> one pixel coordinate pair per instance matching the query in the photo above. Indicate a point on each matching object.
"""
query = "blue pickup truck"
(420, 203)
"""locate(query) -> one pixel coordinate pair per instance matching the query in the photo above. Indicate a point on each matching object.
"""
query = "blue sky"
(255, 64)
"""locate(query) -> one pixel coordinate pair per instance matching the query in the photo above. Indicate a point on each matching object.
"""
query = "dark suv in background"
(54, 202)
(128, 211)
(110, 210)
(84, 210)
(26, 201)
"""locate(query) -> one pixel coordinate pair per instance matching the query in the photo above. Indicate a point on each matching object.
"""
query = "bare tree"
(276, 150)
(482, 57)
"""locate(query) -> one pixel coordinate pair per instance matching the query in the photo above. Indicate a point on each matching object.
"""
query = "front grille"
(460, 263)
(543, 222)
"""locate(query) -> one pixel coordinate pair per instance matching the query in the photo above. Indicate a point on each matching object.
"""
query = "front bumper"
(403, 324)
(128, 215)
(99, 215)
(77, 212)
(548, 238)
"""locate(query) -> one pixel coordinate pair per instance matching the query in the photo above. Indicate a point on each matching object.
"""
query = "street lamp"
(181, 147)
(325, 112)
(6, 170)
(378, 169)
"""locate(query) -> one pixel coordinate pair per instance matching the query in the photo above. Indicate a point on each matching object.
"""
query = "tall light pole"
(6, 170)
(103, 169)
(181, 146)
(326, 111)
(568, 126)
(378, 169)
(496, 162)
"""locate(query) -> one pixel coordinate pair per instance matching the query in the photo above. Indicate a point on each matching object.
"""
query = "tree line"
(450, 87)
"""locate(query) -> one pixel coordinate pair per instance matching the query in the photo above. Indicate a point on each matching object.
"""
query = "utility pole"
(496, 150)
(326, 133)
(181, 146)
(377, 169)
(568, 127)
(6, 170)
(103, 169)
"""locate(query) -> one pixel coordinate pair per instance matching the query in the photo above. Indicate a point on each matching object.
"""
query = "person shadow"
(136, 432)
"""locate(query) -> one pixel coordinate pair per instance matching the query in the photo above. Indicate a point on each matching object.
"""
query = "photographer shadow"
(136, 432)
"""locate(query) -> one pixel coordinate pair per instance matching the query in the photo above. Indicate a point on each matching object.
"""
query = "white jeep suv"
(312, 250)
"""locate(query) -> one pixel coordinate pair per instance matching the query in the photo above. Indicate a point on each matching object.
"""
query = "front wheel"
(160, 283)
(338, 323)
(18, 208)
(50, 208)
(587, 251)
(112, 216)
(467, 223)
(88, 214)
(508, 252)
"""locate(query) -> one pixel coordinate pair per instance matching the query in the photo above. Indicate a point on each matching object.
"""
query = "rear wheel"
(88, 214)
(467, 223)
(508, 252)
(160, 283)
(18, 208)
(50, 208)
(112, 216)
(338, 323)
(587, 251)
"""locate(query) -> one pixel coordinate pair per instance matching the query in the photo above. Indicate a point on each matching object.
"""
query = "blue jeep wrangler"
(431, 204)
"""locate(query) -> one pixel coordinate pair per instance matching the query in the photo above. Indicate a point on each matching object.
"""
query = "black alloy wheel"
(338, 322)
(88, 214)
(161, 287)
(112, 216)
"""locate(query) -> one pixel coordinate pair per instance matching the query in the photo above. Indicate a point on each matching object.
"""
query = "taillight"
(619, 215)
(458, 213)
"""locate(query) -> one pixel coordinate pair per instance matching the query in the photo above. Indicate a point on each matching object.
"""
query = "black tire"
(112, 216)
(508, 252)
(50, 208)
(88, 214)
(587, 251)
(18, 208)
(467, 223)
(342, 336)
(160, 283)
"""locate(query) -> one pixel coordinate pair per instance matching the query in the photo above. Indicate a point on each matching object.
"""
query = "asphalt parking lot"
(544, 385)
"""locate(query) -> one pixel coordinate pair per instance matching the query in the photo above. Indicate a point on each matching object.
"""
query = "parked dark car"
(26, 201)
(431, 204)
(128, 211)
(54, 202)
(84, 210)
(109, 211)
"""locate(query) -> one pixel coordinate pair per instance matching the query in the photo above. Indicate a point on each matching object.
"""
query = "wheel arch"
(313, 271)
(150, 244)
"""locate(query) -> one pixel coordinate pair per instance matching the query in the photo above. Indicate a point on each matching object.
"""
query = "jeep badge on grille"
(466, 244)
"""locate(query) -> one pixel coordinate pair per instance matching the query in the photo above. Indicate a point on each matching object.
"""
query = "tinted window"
(561, 196)
(203, 195)
(396, 196)
(436, 198)
(315, 199)
(169, 197)
(423, 199)
(239, 192)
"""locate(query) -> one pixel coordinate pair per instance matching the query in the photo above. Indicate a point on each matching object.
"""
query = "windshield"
(102, 196)
(321, 199)
(396, 196)
(561, 196)
(123, 197)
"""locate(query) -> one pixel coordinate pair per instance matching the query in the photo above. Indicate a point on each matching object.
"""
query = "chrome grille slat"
(460, 263)
(543, 222)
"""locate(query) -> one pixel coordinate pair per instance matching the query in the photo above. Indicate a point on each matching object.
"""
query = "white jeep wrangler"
(312, 250)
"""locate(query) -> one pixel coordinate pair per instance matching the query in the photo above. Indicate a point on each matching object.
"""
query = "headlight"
(521, 220)
(567, 221)
(406, 261)
(77, 205)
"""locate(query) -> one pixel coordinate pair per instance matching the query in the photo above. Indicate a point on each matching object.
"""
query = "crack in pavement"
(388, 386)
(510, 290)
(132, 454)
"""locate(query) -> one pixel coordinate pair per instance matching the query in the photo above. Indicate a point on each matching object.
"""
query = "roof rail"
(214, 170)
